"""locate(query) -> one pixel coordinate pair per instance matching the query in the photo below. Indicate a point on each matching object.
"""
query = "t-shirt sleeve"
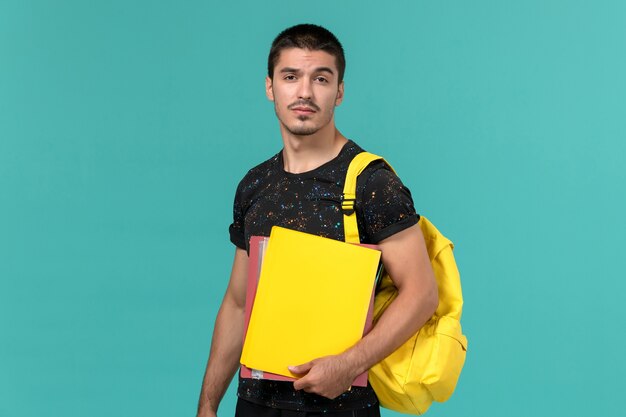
(386, 205)
(236, 229)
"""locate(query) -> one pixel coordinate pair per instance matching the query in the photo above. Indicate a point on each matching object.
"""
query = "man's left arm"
(406, 260)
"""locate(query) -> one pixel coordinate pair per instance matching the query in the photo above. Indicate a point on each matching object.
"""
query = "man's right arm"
(227, 339)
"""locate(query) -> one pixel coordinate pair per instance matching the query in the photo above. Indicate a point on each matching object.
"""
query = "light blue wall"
(125, 127)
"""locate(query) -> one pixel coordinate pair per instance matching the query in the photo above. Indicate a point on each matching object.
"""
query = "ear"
(268, 89)
(339, 98)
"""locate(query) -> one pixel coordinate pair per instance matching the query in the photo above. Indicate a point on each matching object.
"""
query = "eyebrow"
(318, 69)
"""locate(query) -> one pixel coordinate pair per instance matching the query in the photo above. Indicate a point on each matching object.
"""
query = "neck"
(305, 153)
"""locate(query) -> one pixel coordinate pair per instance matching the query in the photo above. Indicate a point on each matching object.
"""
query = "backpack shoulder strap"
(358, 164)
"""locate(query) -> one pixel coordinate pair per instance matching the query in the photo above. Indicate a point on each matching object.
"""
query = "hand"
(329, 376)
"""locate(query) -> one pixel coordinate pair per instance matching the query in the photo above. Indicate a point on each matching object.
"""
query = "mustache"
(304, 103)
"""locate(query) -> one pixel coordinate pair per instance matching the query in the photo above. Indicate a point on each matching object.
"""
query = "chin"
(303, 131)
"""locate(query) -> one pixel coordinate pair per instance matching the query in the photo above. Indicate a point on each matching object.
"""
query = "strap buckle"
(347, 204)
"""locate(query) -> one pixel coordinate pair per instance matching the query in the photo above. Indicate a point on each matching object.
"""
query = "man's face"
(305, 90)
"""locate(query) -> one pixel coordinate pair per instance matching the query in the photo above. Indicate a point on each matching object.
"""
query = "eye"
(289, 77)
(321, 79)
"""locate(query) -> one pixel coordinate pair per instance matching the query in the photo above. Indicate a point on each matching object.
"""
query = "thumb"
(301, 369)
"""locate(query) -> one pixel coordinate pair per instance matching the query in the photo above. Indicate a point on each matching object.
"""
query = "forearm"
(402, 318)
(331, 375)
(224, 356)
(406, 260)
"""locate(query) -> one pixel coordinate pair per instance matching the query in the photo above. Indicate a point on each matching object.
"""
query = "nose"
(304, 89)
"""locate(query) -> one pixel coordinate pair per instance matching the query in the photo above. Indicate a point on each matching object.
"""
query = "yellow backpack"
(426, 367)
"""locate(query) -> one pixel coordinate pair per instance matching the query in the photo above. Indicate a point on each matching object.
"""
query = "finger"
(301, 369)
(302, 383)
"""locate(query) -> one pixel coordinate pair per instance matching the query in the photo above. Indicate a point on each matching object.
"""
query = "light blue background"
(126, 125)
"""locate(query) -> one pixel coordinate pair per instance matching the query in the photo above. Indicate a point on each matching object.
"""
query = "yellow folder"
(312, 300)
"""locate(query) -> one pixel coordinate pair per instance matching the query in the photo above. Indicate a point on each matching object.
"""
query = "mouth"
(302, 110)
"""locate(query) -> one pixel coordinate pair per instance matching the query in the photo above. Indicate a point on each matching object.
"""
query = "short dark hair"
(307, 36)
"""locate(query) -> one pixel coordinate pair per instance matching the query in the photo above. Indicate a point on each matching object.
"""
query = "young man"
(300, 188)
